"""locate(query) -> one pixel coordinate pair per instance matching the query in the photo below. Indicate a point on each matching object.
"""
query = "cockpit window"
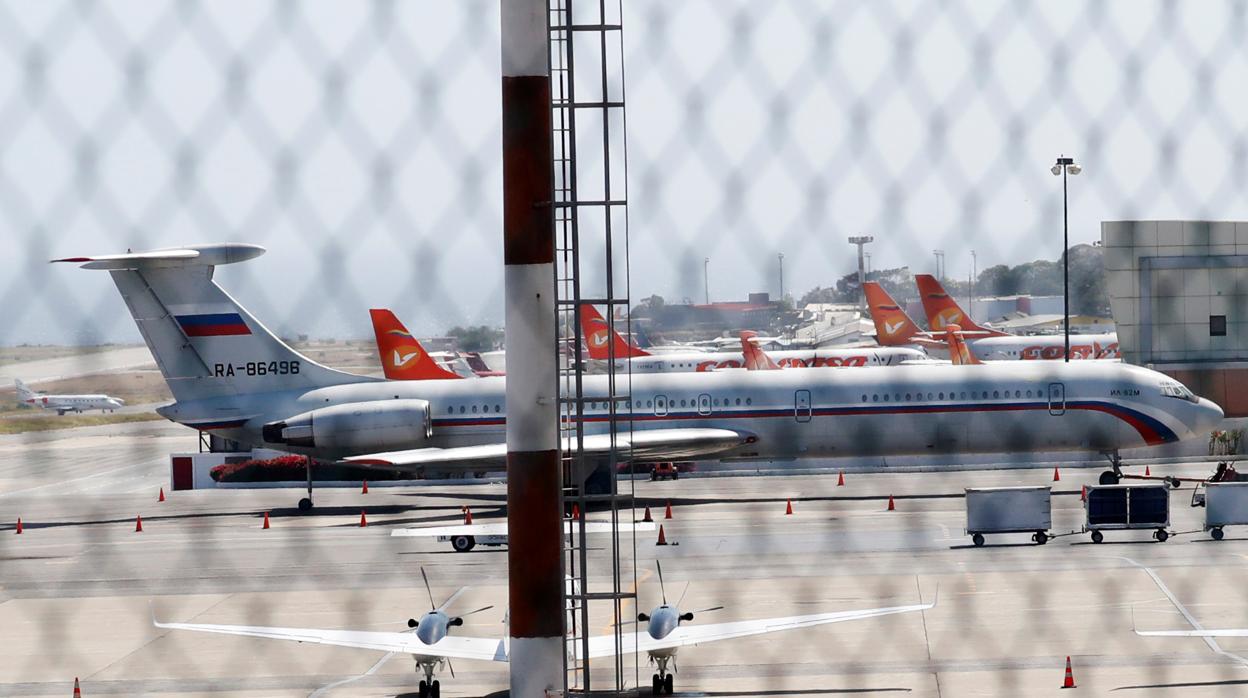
(1178, 390)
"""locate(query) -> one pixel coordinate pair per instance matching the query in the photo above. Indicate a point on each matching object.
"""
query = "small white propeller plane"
(432, 645)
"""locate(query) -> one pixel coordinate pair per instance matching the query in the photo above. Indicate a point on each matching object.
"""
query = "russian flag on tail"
(213, 325)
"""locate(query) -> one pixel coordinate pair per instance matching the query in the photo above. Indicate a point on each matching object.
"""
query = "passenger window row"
(962, 395)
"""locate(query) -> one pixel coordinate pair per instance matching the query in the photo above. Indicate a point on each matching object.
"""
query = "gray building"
(1177, 290)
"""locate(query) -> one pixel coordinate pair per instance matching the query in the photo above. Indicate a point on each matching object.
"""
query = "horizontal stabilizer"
(191, 255)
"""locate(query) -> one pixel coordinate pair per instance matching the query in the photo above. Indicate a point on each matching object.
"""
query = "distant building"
(758, 313)
(1178, 291)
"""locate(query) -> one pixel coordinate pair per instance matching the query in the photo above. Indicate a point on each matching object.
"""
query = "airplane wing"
(649, 444)
(1229, 632)
(684, 635)
(500, 529)
(454, 647)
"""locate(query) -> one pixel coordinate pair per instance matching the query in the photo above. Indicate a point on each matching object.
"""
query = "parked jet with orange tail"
(599, 335)
(990, 344)
(402, 357)
(893, 326)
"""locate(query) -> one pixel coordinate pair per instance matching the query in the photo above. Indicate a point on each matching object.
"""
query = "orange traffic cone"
(576, 511)
(266, 520)
(138, 523)
(668, 514)
(1147, 473)
(1057, 475)
(891, 506)
(161, 498)
(840, 479)
(467, 516)
(363, 519)
(1069, 681)
(77, 689)
(788, 508)
(364, 490)
(662, 538)
(1083, 493)
(647, 516)
(19, 525)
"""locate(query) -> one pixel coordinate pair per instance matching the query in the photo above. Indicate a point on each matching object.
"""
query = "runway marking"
(372, 670)
(1211, 642)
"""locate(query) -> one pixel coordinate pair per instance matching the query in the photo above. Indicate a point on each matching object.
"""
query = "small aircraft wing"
(500, 529)
(454, 647)
(1228, 632)
(650, 444)
(684, 635)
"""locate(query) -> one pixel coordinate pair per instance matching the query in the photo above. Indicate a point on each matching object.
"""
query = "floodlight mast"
(1065, 166)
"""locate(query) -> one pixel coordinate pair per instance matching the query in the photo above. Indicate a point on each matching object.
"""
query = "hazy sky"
(359, 142)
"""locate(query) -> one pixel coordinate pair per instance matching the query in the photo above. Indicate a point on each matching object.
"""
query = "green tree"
(478, 338)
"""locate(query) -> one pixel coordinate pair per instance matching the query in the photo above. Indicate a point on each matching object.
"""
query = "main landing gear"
(305, 504)
(1114, 474)
(662, 681)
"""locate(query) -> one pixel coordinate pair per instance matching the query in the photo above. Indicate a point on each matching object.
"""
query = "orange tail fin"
(959, 353)
(755, 358)
(402, 357)
(598, 333)
(943, 311)
(892, 326)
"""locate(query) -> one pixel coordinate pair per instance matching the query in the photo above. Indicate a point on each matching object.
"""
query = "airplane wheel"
(305, 504)
(1161, 535)
(463, 544)
(1041, 538)
(1097, 536)
(656, 685)
(435, 689)
(1216, 534)
(978, 539)
(1174, 483)
(1108, 478)
(667, 684)
(424, 689)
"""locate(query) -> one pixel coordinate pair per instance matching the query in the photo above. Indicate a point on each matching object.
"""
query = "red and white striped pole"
(534, 554)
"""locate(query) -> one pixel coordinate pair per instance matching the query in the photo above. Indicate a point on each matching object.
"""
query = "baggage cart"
(1009, 510)
(1127, 507)
(1226, 504)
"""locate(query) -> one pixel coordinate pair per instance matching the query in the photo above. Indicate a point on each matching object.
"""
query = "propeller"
(432, 606)
(459, 620)
(662, 587)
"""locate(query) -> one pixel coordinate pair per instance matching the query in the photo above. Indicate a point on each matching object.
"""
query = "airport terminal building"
(1177, 290)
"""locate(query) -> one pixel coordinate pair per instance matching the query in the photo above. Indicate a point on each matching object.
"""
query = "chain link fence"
(360, 143)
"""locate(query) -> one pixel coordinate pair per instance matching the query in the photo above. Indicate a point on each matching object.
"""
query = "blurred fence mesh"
(360, 142)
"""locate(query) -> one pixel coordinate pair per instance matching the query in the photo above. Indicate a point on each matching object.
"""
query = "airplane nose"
(1209, 415)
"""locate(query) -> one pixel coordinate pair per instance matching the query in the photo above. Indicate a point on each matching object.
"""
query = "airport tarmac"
(75, 587)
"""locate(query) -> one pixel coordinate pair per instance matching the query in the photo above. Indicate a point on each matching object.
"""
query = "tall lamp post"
(972, 286)
(1065, 166)
(940, 264)
(780, 256)
(706, 279)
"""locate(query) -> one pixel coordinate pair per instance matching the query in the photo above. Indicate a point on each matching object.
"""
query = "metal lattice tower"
(591, 238)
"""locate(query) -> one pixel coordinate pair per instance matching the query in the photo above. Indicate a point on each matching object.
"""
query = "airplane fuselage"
(900, 410)
(1047, 347)
(790, 358)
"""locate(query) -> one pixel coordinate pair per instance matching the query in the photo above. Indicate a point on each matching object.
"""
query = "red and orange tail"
(598, 333)
(959, 353)
(943, 311)
(892, 326)
(402, 357)
(755, 358)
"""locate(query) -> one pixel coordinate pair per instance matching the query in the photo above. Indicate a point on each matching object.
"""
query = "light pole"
(1065, 166)
(940, 263)
(780, 256)
(861, 241)
(973, 286)
(706, 279)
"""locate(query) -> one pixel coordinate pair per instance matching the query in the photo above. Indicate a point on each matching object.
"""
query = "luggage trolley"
(1128, 507)
(1009, 510)
(1226, 504)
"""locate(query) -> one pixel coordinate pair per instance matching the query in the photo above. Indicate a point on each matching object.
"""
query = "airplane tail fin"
(959, 353)
(24, 393)
(598, 333)
(893, 327)
(755, 358)
(402, 357)
(206, 344)
(942, 310)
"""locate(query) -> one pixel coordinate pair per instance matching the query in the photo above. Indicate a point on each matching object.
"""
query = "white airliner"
(993, 345)
(432, 645)
(230, 375)
(599, 336)
(67, 403)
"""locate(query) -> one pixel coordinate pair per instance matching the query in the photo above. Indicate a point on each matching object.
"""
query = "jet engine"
(359, 427)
